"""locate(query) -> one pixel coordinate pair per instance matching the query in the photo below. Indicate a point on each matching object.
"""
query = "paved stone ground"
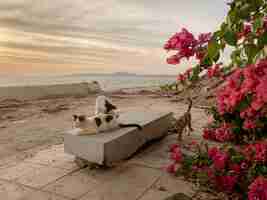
(52, 175)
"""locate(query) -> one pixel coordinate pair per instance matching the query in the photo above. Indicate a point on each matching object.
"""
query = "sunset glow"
(81, 36)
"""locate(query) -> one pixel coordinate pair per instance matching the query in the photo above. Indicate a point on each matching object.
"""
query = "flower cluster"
(223, 133)
(242, 102)
(227, 168)
(247, 29)
(256, 152)
(258, 189)
(177, 157)
(214, 71)
(186, 46)
(240, 114)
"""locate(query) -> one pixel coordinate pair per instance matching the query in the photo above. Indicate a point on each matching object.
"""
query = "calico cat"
(106, 118)
(104, 106)
(184, 122)
(99, 123)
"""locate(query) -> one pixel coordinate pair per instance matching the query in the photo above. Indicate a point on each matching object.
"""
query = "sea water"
(108, 82)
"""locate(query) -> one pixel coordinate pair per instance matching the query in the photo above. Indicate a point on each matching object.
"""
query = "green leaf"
(244, 11)
(235, 56)
(263, 169)
(236, 130)
(251, 51)
(223, 28)
(206, 62)
(237, 158)
(213, 49)
(230, 37)
(258, 23)
(262, 40)
(195, 75)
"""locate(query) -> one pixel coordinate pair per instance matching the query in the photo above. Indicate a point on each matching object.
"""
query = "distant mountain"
(124, 74)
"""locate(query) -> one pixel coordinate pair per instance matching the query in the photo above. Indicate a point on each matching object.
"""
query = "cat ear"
(109, 106)
(74, 117)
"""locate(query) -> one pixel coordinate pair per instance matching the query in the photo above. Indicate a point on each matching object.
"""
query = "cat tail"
(190, 105)
(130, 125)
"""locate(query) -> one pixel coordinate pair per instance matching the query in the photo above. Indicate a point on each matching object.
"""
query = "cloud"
(111, 34)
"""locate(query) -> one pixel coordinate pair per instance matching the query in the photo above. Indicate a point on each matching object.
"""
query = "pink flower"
(261, 89)
(244, 166)
(186, 46)
(256, 152)
(236, 168)
(204, 38)
(181, 78)
(212, 152)
(246, 30)
(172, 168)
(261, 152)
(224, 133)
(174, 147)
(249, 112)
(257, 103)
(181, 40)
(173, 60)
(214, 71)
(220, 160)
(249, 124)
(208, 134)
(258, 189)
(226, 183)
(177, 155)
(210, 119)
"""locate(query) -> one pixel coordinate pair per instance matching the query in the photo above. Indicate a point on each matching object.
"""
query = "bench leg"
(81, 163)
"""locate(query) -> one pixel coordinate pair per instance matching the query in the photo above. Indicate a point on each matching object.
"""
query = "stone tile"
(151, 161)
(41, 176)
(39, 195)
(12, 191)
(82, 181)
(54, 157)
(16, 171)
(171, 185)
(156, 155)
(127, 182)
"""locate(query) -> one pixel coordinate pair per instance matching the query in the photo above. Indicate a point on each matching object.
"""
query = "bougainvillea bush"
(239, 118)
(241, 114)
(229, 169)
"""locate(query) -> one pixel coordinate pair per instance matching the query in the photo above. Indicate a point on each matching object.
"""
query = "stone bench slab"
(113, 146)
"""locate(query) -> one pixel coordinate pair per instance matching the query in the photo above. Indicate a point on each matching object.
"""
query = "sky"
(89, 36)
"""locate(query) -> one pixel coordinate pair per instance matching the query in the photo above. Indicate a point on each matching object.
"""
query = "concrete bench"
(109, 147)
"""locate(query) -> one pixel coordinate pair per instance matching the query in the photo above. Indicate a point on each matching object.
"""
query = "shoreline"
(51, 91)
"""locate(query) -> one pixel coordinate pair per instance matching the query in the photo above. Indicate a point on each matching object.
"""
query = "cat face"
(109, 107)
(83, 122)
(98, 123)
(104, 106)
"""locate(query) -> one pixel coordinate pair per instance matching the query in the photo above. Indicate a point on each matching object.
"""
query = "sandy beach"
(30, 125)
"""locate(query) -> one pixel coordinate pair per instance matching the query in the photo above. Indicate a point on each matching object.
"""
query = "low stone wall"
(49, 91)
